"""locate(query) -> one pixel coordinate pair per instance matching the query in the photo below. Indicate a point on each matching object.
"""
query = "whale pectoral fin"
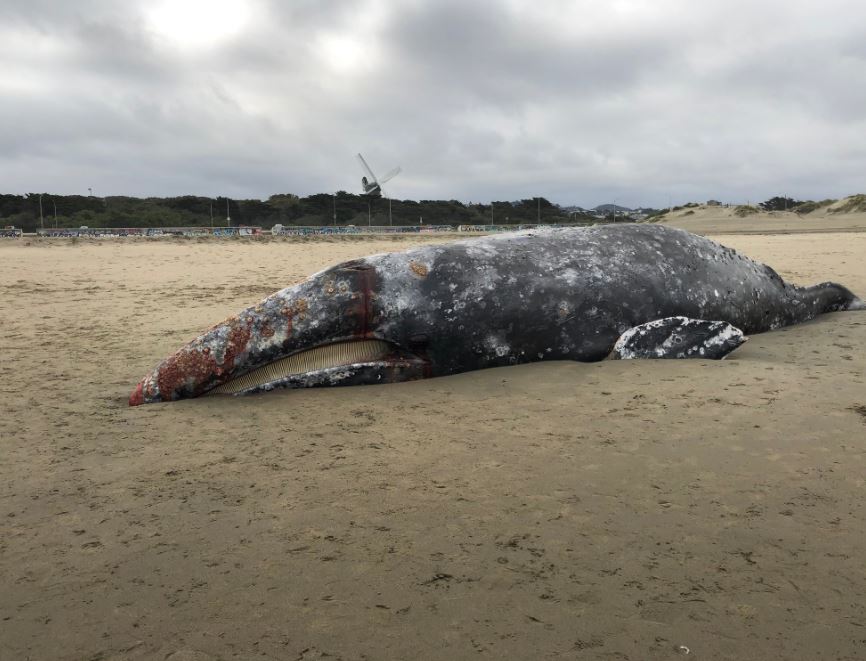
(679, 337)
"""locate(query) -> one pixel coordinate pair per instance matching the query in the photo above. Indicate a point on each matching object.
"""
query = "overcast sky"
(638, 101)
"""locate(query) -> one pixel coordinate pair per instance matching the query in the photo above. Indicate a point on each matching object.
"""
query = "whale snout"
(317, 334)
(190, 373)
(137, 396)
(194, 369)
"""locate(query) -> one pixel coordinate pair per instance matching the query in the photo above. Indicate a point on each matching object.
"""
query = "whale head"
(323, 331)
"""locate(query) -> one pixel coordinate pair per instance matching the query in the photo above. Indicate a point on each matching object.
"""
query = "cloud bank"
(643, 102)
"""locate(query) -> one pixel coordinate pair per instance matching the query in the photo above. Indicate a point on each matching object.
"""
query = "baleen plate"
(319, 358)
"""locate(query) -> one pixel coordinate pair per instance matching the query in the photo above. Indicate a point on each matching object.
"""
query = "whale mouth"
(318, 360)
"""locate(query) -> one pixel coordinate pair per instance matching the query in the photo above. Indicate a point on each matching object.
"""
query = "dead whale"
(507, 299)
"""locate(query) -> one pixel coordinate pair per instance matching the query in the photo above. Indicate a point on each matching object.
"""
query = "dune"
(846, 215)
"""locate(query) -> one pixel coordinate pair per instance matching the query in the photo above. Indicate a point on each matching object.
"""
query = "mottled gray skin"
(679, 337)
(554, 294)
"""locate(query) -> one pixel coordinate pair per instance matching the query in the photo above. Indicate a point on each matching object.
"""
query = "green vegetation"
(779, 204)
(687, 205)
(809, 206)
(853, 204)
(194, 211)
(656, 215)
(745, 210)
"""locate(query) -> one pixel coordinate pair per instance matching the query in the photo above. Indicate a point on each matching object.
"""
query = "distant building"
(713, 203)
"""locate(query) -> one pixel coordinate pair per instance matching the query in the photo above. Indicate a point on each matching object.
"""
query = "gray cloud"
(580, 102)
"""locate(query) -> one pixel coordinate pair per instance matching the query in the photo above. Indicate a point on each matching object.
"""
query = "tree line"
(34, 210)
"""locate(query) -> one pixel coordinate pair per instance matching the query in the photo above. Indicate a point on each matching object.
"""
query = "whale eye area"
(323, 357)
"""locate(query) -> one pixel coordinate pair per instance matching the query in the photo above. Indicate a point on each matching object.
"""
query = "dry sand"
(616, 510)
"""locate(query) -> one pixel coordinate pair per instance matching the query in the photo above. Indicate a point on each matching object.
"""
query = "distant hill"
(609, 208)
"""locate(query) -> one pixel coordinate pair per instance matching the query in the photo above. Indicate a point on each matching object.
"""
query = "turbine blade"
(367, 168)
(388, 177)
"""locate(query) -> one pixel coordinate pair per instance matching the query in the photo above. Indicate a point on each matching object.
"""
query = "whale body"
(507, 299)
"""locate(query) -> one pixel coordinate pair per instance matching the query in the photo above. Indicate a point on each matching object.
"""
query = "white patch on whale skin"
(571, 276)
(497, 346)
(481, 250)
(399, 288)
(726, 333)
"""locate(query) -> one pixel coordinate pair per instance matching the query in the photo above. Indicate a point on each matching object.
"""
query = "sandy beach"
(624, 510)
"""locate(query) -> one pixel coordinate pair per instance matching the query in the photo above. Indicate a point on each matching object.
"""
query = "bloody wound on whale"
(549, 294)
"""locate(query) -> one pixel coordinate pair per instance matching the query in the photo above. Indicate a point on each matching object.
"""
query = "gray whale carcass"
(546, 294)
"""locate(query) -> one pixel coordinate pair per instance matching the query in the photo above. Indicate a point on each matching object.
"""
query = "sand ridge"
(724, 220)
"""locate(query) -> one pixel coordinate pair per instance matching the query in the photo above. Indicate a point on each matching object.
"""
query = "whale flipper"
(679, 337)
